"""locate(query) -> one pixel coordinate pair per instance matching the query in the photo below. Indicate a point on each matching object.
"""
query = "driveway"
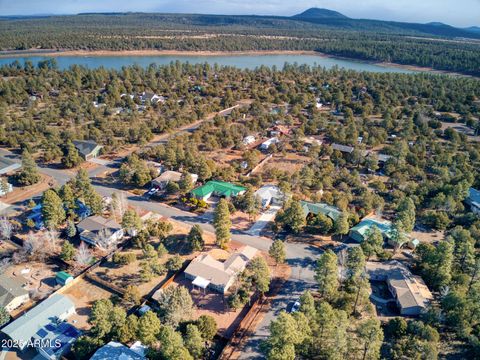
(264, 219)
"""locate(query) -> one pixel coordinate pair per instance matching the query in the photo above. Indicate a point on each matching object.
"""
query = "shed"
(63, 278)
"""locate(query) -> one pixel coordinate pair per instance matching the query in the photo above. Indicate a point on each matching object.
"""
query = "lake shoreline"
(206, 53)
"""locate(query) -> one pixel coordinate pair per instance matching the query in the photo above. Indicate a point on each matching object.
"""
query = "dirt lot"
(40, 277)
(19, 195)
(6, 248)
(241, 221)
(290, 163)
(84, 293)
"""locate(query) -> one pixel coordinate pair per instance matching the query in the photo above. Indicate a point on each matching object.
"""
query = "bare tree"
(6, 228)
(119, 205)
(4, 264)
(84, 255)
(104, 240)
(34, 246)
(51, 239)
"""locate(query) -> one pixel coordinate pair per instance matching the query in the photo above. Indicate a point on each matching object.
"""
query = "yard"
(84, 293)
(124, 275)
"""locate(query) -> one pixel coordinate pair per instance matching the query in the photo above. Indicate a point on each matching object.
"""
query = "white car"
(152, 191)
(295, 307)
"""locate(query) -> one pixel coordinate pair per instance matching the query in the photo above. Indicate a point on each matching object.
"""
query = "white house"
(266, 144)
(270, 195)
(247, 140)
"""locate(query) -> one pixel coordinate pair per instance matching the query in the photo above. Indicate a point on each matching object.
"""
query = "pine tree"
(341, 224)
(52, 209)
(195, 238)
(68, 251)
(71, 157)
(326, 275)
(371, 336)
(277, 251)
(68, 198)
(294, 217)
(148, 328)
(193, 341)
(29, 174)
(222, 223)
(373, 242)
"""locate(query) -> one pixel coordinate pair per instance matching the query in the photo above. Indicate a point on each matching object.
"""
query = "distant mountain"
(317, 13)
(333, 19)
(473, 29)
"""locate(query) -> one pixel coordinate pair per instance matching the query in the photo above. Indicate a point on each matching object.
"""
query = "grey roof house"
(46, 321)
(88, 149)
(343, 148)
(473, 200)
(115, 350)
(90, 228)
(8, 166)
(12, 293)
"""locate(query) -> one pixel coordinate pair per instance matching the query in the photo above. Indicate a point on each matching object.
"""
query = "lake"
(240, 61)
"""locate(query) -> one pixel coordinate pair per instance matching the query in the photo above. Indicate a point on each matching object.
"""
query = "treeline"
(190, 33)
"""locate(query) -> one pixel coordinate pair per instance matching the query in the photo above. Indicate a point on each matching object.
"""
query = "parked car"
(295, 307)
(152, 191)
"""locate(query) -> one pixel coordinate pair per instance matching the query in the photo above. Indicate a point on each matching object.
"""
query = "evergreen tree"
(373, 242)
(148, 328)
(195, 238)
(29, 174)
(131, 221)
(128, 332)
(293, 218)
(71, 229)
(207, 326)
(53, 212)
(68, 251)
(71, 157)
(371, 337)
(341, 225)
(277, 251)
(259, 274)
(193, 341)
(326, 275)
(222, 223)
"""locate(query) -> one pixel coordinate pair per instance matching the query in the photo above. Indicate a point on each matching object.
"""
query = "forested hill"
(314, 30)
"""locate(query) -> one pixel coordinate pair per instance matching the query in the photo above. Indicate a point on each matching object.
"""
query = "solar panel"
(42, 333)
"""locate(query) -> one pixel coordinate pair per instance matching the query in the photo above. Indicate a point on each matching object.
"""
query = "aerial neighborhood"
(198, 211)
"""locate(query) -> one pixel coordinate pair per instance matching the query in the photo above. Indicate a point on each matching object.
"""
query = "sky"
(460, 13)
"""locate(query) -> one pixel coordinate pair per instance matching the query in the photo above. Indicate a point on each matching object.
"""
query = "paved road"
(300, 257)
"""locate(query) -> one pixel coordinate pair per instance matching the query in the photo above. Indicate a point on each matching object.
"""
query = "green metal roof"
(365, 225)
(64, 276)
(220, 188)
(315, 208)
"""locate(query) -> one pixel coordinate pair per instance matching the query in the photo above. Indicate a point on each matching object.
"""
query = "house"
(473, 200)
(88, 149)
(410, 292)
(162, 181)
(12, 293)
(37, 217)
(266, 144)
(115, 350)
(7, 166)
(247, 140)
(270, 195)
(151, 97)
(205, 271)
(63, 278)
(217, 188)
(45, 321)
(311, 209)
(343, 148)
(279, 130)
(359, 231)
(90, 228)
(9, 189)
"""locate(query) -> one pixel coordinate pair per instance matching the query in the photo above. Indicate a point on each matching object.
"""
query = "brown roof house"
(410, 292)
(12, 293)
(92, 228)
(205, 271)
(170, 176)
